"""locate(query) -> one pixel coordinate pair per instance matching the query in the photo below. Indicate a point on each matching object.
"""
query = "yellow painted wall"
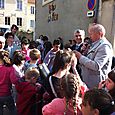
(11, 11)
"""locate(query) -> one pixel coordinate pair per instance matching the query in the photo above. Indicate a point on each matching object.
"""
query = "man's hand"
(77, 54)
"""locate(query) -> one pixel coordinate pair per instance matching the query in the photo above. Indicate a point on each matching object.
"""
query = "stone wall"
(68, 16)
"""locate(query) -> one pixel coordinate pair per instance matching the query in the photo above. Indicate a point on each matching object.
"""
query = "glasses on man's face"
(77, 35)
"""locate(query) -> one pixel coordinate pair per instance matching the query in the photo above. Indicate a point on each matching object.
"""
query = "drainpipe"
(96, 11)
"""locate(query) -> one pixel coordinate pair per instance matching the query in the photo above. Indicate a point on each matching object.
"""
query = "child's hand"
(46, 96)
(101, 84)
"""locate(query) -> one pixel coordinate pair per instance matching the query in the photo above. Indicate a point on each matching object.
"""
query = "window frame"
(32, 9)
(2, 4)
(32, 23)
(19, 21)
(7, 20)
(19, 5)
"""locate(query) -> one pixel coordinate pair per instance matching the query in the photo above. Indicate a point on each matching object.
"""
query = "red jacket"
(28, 95)
(7, 78)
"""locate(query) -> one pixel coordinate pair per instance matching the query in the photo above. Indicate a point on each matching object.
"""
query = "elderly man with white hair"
(2, 42)
(96, 65)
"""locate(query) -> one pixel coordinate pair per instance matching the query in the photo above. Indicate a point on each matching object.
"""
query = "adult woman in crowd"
(97, 102)
(7, 77)
(70, 104)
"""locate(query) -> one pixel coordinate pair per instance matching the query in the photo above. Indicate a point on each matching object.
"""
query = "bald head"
(96, 32)
(97, 28)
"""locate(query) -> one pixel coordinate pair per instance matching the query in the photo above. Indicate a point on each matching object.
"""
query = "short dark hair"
(111, 75)
(14, 26)
(56, 42)
(99, 99)
(45, 38)
(25, 41)
(8, 34)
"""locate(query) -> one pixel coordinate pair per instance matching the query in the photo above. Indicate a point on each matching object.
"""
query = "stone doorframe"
(106, 16)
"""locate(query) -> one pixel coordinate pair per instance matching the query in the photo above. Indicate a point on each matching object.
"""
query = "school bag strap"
(52, 87)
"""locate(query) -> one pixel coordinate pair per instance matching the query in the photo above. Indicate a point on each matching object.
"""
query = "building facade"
(56, 18)
(19, 12)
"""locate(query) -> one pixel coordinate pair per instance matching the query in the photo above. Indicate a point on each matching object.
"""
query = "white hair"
(2, 39)
(98, 28)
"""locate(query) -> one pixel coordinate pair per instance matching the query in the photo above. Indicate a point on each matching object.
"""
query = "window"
(19, 21)
(7, 20)
(31, 23)
(1, 3)
(32, 10)
(19, 5)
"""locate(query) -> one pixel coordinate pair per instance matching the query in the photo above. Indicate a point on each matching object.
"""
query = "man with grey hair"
(96, 65)
(79, 36)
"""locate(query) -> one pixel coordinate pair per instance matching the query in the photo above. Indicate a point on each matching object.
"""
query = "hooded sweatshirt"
(28, 97)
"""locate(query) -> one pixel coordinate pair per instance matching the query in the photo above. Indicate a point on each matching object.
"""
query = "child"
(35, 59)
(109, 83)
(50, 56)
(97, 102)
(18, 63)
(25, 48)
(70, 104)
(29, 94)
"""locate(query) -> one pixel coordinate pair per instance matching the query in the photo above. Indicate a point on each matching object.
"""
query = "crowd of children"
(62, 92)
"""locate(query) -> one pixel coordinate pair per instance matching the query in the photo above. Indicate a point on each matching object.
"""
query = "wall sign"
(53, 16)
(91, 4)
(44, 2)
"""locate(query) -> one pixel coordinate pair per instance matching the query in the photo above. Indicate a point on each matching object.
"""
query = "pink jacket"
(58, 107)
(7, 77)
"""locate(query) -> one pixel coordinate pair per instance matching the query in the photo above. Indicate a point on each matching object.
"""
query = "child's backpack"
(44, 72)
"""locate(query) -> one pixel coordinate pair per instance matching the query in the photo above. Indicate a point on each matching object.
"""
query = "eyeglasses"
(86, 44)
(77, 35)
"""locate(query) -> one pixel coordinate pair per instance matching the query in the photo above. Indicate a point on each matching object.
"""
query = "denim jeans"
(9, 102)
